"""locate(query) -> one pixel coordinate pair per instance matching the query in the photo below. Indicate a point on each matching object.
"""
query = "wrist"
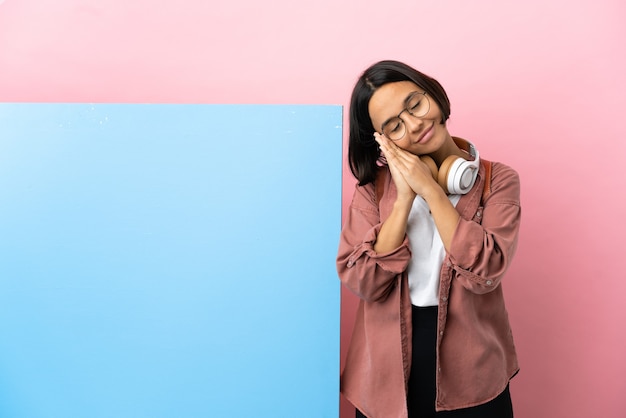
(433, 193)
(404, 202)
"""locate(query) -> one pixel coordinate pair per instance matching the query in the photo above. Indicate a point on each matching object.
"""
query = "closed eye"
(415, 105)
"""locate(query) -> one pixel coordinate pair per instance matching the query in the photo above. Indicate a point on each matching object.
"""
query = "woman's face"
(423, 135)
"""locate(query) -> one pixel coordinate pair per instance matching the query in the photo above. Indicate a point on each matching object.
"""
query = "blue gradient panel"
(169, 260)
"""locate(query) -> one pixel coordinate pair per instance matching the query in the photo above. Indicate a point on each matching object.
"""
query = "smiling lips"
(426, 135)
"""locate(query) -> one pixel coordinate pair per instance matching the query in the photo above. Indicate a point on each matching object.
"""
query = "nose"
(413, 123)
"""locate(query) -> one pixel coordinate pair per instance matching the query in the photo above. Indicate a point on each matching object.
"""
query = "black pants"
(422, 389)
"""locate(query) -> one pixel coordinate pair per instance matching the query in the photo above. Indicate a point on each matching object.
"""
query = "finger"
(380, 139)
(384, 145)
(397, 154)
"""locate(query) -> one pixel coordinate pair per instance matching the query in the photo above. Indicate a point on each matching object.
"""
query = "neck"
(449, 148)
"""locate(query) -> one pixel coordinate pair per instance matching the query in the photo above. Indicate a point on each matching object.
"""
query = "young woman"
(431, 231)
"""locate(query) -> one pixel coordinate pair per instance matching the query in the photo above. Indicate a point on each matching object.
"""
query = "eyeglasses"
(417, 104)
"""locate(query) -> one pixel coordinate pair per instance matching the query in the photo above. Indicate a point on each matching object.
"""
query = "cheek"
(441, 128)
(435, 113)
(405, 145)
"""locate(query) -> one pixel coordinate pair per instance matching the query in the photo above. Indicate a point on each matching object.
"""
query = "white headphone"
(456, 175)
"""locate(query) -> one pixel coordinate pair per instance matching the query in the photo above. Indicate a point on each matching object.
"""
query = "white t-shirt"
(427, 253)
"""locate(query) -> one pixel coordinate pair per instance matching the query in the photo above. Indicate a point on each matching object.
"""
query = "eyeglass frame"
(406, 109)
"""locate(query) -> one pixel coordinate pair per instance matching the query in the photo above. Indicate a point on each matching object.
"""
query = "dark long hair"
(363, 151)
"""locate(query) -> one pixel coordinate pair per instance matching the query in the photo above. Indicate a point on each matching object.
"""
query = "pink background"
(538, 85)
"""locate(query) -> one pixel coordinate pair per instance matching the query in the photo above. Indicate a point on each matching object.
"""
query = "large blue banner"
(169, 260)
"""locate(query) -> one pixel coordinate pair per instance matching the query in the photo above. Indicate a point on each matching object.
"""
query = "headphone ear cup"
(444, 170)
(432, 166)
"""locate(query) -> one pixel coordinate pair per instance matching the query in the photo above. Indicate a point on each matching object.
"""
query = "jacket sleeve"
(481, 252)
(369, 275)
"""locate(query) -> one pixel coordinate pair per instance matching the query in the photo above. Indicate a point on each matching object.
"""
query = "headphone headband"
(468, 147)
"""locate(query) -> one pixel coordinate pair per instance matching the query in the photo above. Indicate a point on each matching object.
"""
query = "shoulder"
(505, 184)
(370, 195)
(364, 197)
(502, 169)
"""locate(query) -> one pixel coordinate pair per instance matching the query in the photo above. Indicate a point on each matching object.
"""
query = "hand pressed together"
(413, 177)
(410, 173)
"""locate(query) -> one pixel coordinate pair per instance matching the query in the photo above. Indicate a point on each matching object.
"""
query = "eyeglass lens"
(417, 105)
